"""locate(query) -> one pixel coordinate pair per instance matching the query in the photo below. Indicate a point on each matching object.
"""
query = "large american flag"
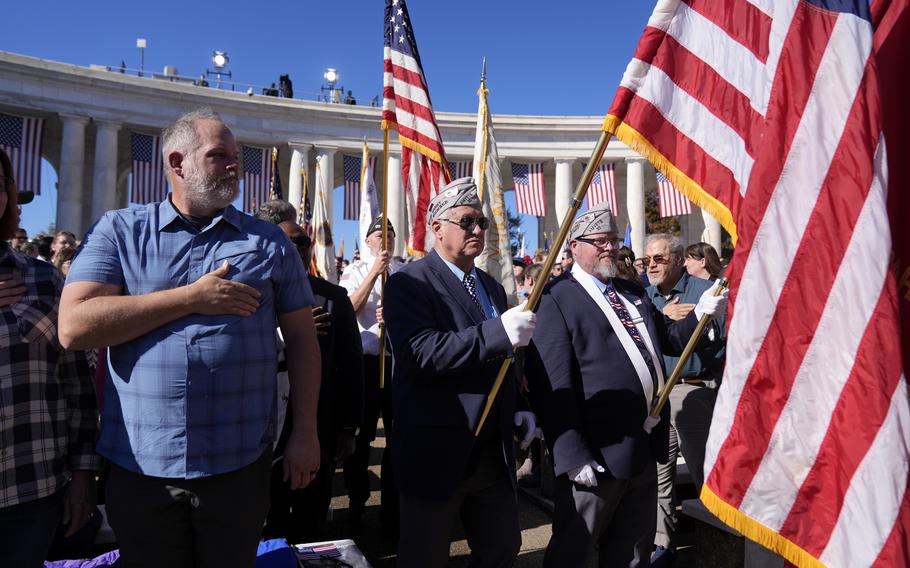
(21, 138)
(768, 115)
(530, 197)
(671, 201)
(353, 170)
(257, 177)
(149, 183)
(461, 169)
(603, 188)
(406, 107)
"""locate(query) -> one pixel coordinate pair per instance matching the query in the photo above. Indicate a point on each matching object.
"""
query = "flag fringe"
(754, 530)
(680, 181)
(416, 146)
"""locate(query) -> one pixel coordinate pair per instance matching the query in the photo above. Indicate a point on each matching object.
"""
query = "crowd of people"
(182, 366)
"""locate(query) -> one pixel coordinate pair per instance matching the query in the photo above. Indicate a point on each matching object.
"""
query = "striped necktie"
(626, 319)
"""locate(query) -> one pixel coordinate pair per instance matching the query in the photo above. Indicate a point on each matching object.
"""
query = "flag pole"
(385, 246)
(684, 357)
(574, 205)
(486, 113)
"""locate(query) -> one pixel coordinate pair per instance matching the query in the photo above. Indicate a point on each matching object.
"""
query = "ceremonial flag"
(21, 139)
(275, 191)
(530, 197)
(406, 107)
(496, 258)
(257, 177)
(769, 116)
(672, 202)
(323, 248)
(461, 169)
(149, 183)
(522, 249)
(603, 188)
(369, 201)
(627, 241)
(353, 178)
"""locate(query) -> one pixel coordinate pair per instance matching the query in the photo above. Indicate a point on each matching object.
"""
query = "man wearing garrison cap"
(450, 332)
(595, 366)
(361, 279)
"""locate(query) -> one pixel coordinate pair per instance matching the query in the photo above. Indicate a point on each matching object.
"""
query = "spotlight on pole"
(331, 90)
(141, 44)
(220, 60)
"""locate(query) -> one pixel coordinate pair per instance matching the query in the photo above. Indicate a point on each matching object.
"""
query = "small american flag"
(530, 198)
(672, 202)
(257, 175)
(603, 188)
(21, 139)
(461, 169)
(353, 169)
(149, 183)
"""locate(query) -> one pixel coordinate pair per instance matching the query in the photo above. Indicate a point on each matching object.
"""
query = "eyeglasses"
(658, 259)
(601, 243)
(467, 222)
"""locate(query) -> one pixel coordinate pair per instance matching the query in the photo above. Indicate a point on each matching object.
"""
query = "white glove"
(526, 423)
(519, 325)
(650, 423)
(712, 305)
(584, 474)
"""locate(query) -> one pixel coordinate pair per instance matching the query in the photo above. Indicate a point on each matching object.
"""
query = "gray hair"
(276, 211)
(675, 243)
(181, 135)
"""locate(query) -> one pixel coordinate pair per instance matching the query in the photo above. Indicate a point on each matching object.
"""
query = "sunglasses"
(467, 222)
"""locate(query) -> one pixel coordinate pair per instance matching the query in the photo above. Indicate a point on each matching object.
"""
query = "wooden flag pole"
(684, 357)
(536, 292)
(385, 246)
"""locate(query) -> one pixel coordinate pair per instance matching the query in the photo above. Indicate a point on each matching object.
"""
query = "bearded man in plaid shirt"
(48, 414)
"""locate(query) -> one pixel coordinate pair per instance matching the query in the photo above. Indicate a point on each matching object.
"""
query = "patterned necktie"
(626, 320)
(470, 284)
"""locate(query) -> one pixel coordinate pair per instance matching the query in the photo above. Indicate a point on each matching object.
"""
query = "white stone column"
(635, 202)
(299, 163)
(70, 195)
(396, 205)
(104, 181)
(326, 160)
(564, 187)
(711, 234)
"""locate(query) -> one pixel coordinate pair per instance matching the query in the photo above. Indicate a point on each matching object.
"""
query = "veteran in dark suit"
(450, 332)
(595, 366)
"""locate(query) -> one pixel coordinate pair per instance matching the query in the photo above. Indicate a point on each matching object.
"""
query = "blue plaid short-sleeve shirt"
(194, 397)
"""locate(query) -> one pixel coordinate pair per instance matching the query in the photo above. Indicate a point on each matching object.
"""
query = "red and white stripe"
(26, 159)
(772, 109)
(530, 197)
(256, 185)
(148, 180)
(672, 202)
(461, 169)
(406, 107)
(603, 188)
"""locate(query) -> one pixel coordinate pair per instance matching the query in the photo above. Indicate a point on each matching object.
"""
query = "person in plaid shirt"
(48, 414)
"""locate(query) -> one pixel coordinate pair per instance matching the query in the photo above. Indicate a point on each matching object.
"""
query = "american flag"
(149, 183)
(353, 169)
(406, 107)
(530, 198)
(257, 175)
(461, 169)
(672, 202)
(769, 116)
(21, 139)
(603, 188)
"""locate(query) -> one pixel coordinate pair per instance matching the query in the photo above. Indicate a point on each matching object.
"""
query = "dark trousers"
(618, 515)
(356, 475)
(488, 507)
(208, 521)
(299, 515)
(27, 530)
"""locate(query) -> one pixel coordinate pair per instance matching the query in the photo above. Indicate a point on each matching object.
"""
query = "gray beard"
(203, 191)
(605, 272)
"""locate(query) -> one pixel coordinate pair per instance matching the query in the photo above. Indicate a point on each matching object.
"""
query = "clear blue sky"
(563, 58)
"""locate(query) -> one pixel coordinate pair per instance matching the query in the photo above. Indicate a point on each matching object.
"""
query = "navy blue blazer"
(583, 387)
(445, 359)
